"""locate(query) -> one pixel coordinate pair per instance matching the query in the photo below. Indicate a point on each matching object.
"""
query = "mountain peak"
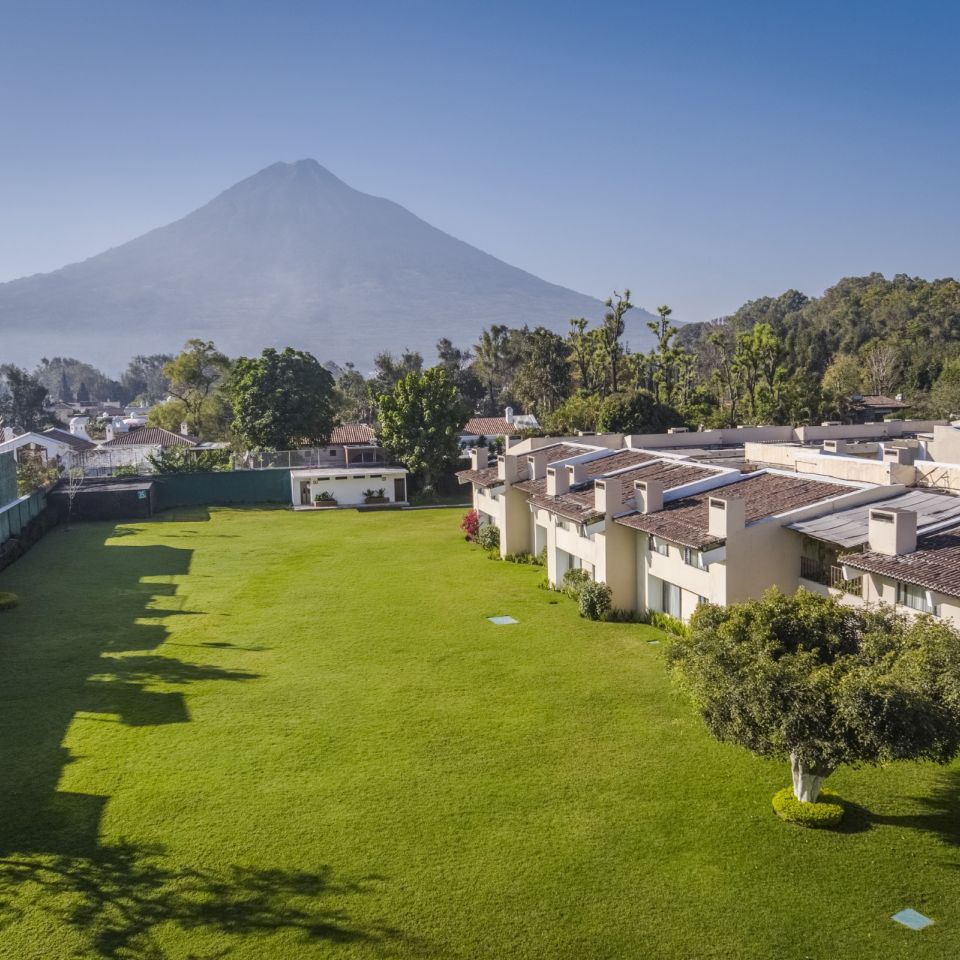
(305, 170)
(291, 256)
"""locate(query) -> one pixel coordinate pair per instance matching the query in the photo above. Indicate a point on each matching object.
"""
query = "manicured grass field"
(259, 734)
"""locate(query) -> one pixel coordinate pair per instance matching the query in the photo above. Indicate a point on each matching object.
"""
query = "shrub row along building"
(869, 513)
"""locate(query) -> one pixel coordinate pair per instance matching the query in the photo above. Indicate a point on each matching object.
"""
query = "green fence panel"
(15, 516)
(8, 479)
(240, 486)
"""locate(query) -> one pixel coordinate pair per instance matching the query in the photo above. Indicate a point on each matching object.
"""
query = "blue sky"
(700, 153)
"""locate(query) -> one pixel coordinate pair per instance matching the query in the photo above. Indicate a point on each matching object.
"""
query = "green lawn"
(259, 734)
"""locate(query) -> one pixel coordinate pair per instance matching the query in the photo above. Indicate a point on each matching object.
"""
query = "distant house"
(490, 428)
(346, 470)
(869, 408)
(353, 433)
(51, 446)
(156, 438)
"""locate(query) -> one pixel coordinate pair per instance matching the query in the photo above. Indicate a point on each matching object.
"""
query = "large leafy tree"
(420, 423)
(197, 380)
(281, 400)
(145, 377)
(22, 397)
(390, 370)
(459, 367)
(945, 396)
(824, 684)
(353, 395)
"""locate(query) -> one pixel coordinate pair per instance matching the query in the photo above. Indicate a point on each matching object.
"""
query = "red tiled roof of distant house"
(489, 427)
(353, 433)
(151, 437)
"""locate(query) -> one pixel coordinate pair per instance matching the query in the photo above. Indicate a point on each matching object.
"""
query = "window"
(659, 546)
(693, 558)
(332, 453)
(914, 597)
(701, 601)
(670, 599)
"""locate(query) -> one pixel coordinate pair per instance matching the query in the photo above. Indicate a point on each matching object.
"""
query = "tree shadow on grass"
(117, 898)
(941, 815)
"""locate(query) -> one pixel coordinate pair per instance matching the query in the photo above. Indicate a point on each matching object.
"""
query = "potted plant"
(375, 496)
(324, 499)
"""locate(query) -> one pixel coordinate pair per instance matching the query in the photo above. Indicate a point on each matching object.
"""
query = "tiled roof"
(935, 564)
(578, 504)
(594, 468)
(878, 401)
(64, 436)
(488, 477)
(489, 427)
(353, 433)
(687, 521)
(151, 437)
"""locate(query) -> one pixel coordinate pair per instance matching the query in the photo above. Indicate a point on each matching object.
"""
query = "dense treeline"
(786, 359)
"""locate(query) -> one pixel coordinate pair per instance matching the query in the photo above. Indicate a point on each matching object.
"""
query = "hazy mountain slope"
(291, 255)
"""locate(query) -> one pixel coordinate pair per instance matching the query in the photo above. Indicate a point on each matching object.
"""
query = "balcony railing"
(814, 570)
(854, 587)
(830, 575)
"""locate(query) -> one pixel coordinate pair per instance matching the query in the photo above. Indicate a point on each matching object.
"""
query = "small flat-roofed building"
(347, 486)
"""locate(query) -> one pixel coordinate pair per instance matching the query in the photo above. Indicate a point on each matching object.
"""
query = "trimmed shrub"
(488, 536)
(618, 615)
(666, 623)
(470, 524)
(594, 600)
(826, 812)
(8, 600)
(574, 581)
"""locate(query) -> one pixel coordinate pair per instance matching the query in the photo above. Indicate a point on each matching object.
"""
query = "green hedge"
(826, 812)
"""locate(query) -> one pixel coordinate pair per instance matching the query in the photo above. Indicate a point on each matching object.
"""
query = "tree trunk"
(807, 779)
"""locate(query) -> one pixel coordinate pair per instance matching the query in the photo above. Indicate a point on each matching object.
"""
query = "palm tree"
(491, 361)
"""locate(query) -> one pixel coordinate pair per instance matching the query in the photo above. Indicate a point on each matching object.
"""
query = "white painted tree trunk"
(807, 780)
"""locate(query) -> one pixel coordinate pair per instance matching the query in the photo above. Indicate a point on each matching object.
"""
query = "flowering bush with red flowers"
(470, 524)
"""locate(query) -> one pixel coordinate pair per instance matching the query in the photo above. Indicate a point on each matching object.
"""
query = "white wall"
(346, 491)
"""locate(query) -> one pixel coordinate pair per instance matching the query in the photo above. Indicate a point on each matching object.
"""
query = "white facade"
(346, 485)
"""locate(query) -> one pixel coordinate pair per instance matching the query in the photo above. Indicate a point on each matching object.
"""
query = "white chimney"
(608, 496)
(537, 464)
(479, 458)
(78, 427)
(507, 466)
(184, 429)
(508, 414)
(648, 495)
(558, 481)
(727, 516)
(892, 532)
(115, 426)
(577, 473)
